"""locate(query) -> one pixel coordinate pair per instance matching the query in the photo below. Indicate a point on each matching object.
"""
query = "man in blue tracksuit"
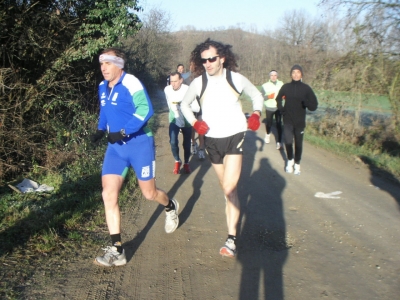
(125, 108)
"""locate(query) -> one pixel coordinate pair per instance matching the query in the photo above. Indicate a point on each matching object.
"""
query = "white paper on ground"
(332, 195)
(30, 186)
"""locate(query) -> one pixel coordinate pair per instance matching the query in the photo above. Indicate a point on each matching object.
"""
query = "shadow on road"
(203, 166)
(262, 247)
(133, 245)
(379, 178)
(197, 183)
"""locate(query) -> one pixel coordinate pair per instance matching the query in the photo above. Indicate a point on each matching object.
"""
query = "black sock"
(116, 241)
(170, 205)
(232, 237)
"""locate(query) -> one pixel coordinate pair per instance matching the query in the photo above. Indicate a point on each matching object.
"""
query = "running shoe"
(278, 146)
(111, 258)
(289, 166)
(194, 148)
(172, 219)
(186, 168)
(267, 138)
(229, 249)
(177, 167)
(202, 155)
(296, 169)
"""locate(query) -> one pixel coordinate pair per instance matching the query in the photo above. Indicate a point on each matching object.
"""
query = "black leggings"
(298, 133)
(278, 120)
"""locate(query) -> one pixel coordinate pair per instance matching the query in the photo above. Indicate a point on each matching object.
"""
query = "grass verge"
(39, 228)
(380, 163)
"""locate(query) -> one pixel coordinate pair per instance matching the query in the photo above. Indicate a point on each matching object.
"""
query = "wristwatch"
(122, 132)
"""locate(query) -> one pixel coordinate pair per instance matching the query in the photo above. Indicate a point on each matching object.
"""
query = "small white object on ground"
(29, 186)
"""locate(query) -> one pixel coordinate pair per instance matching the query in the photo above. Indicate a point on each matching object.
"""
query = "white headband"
(118, 61)
(272, 73)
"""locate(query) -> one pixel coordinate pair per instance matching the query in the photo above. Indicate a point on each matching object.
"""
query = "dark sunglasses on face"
(210, 59)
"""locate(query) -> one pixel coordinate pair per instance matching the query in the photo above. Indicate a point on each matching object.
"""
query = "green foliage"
(49, 75)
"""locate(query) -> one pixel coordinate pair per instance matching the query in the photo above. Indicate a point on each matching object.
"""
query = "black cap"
(296, 67)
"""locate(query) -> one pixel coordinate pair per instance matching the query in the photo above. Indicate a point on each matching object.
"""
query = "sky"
(222, 14)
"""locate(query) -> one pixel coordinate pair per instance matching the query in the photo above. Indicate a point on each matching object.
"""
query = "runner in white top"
(220, 105)
(223, 122)
(174, 94)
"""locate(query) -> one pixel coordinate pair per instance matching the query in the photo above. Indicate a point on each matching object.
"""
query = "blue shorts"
(137, 152)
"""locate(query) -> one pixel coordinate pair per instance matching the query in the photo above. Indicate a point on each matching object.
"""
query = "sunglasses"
(210, 59)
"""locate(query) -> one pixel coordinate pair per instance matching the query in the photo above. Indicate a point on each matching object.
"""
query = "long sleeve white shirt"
(221, 108)
(174, 99)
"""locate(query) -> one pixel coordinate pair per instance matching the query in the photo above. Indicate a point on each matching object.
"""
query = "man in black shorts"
(223, 122)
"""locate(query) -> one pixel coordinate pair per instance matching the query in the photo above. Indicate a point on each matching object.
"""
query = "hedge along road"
(332, 232)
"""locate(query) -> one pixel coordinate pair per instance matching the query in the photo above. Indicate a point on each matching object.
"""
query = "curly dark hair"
(222, 51)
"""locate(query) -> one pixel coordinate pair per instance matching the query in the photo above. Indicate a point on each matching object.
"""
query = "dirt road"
(292, 244)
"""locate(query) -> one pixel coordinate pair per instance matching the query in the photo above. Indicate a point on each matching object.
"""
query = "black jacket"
(298, 97)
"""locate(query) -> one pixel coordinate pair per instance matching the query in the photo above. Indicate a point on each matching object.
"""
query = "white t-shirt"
(174, 99)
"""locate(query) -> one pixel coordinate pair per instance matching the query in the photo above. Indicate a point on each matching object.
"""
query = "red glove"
(201, 127)
(253, 122)
(271, 96)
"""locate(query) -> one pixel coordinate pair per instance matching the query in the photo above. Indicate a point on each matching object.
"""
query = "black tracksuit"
(298, 97)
